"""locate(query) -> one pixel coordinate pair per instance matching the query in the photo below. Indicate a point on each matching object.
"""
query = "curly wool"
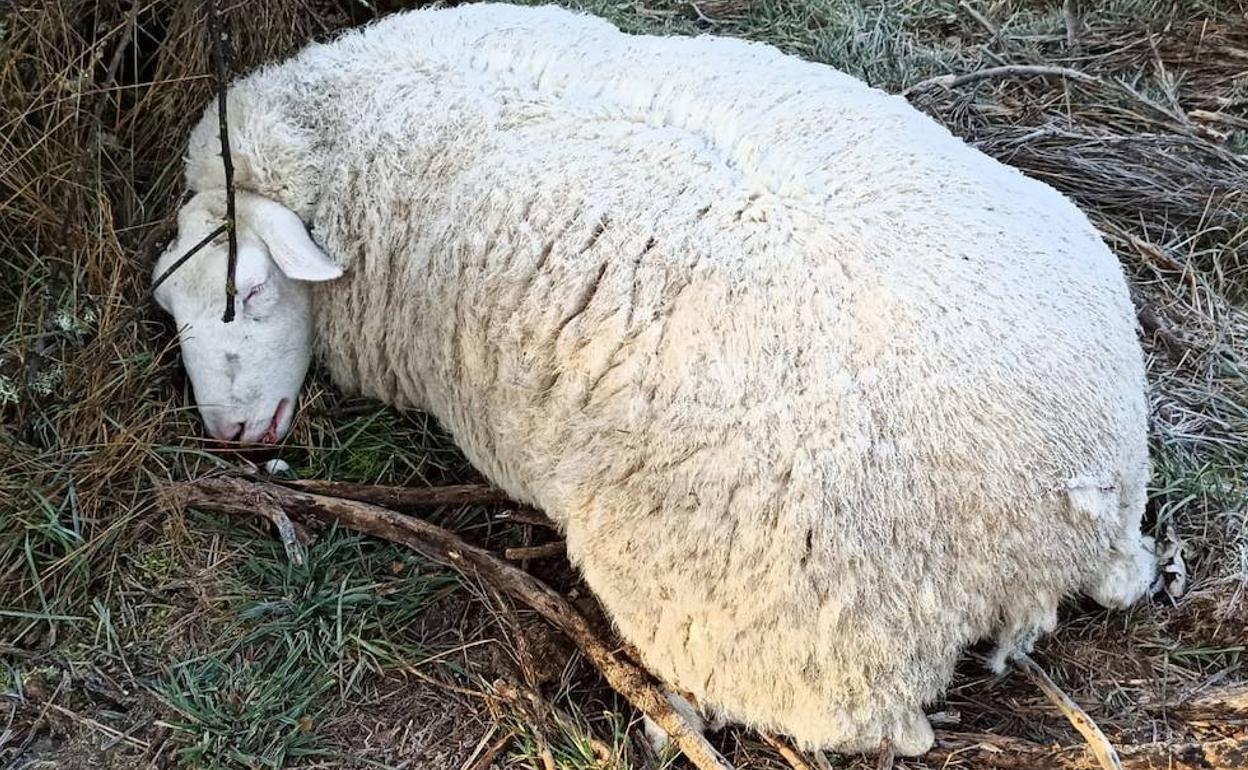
(819, 394)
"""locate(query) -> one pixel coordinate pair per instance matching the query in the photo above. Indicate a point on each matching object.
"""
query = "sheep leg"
(1130, 565)
(914, 735)
(906, 729)
(1127, 574)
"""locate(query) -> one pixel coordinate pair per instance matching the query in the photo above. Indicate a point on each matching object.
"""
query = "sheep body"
(819, 394)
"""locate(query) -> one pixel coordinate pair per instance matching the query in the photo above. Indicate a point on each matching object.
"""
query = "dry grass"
(194, 641)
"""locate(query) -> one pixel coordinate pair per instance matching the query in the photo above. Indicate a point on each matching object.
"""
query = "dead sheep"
(819, 394)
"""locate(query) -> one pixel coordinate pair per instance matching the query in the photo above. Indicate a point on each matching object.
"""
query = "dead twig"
(406, 498)
(786, 752)
(1104, 751)
(1001, 752)
(207, 239)
(994, 33)
(1001, 73)
(116, 736)
(235, 495)
(219, 39)
(530, 517)
(486, 758)
(1223, 705)
(1177, 122)
(546, 551)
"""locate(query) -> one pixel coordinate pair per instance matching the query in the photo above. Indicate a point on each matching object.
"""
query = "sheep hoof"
(1128, 574)
(914, 735)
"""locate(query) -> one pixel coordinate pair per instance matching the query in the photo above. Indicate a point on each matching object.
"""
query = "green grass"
(296, 644)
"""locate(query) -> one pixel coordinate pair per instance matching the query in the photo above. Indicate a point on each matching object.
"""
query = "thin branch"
(219, 39)
(234, 495)
(1003, 752)
(486, 760)
(786, 751)
(1008, 71)
(116, 736)
(207, 239)
(1104, 751)
(1180, 122)
(526, 516)
(405, 498)
(547, 551)
(994, 34)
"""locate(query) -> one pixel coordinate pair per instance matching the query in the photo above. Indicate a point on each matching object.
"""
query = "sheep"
(818, 394)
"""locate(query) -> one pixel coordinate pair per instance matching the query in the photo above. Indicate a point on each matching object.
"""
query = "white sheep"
(819, 394)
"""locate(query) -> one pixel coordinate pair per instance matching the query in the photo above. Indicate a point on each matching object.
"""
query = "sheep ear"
(287, 239)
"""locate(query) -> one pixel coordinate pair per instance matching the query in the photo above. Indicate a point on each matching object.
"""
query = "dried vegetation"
(128, 635)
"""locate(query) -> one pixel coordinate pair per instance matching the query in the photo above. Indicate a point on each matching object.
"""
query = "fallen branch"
(235, 496)
(482, 761)
(1223, 706)
(1001, 73)
(546, 551)
(786, 752)
(1179, 122)
(207, 239)
(1006, 753)
(404, 498)
(994, 33)
(1102, 749)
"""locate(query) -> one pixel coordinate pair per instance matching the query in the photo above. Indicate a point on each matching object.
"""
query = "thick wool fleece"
(819, 394)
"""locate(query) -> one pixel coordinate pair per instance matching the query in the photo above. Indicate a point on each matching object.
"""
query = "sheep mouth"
(270, 435)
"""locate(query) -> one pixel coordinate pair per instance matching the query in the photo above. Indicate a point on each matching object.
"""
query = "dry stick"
(993, 32)
(547, 551)
(234, 495)
(117, 736)
(1002, 752)
(1008, 71)
(231, 223)
(786, 752)
(1181, 122)
(405, 498)
(531, 517)
(1100, 745)
(207, 239)
(487, 759)
(1222, 704)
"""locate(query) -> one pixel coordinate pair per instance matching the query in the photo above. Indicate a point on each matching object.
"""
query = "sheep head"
(247, 373)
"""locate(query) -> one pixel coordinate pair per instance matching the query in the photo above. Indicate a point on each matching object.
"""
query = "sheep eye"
(253, 292)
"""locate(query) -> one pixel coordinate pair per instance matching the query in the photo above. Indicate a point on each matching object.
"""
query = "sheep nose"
(226, 430)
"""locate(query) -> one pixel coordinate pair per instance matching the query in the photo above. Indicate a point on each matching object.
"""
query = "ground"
(132, 636)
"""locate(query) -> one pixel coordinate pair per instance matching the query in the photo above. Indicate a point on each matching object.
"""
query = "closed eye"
(257, 289)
